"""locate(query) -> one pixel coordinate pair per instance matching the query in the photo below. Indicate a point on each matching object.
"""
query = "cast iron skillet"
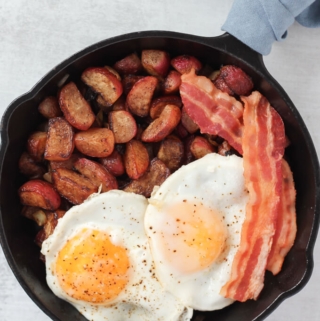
(21, 118)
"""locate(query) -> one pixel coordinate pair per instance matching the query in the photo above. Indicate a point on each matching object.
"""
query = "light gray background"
(37, 35)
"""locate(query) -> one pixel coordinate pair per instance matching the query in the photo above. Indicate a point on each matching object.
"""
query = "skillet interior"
(21, 118)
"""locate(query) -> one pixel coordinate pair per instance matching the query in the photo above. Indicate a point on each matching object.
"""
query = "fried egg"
(193, 222)
(99, 260)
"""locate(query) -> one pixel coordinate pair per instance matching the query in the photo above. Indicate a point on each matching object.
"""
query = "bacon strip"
(214, 111)
(286, 226)
(263, 144)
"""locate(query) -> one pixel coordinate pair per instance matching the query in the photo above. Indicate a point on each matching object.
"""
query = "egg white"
(218, 183)
(121, 215)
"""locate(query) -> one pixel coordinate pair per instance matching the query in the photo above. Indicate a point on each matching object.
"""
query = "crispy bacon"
(214, 111)
(286, 226)
(263, 144)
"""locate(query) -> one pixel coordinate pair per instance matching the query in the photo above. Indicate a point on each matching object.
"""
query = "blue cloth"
(258, 23)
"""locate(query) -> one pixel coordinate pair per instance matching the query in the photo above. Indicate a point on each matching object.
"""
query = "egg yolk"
(91, 268)
(193, 236)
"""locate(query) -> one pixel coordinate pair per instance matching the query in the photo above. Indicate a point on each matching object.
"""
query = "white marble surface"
(37, 35)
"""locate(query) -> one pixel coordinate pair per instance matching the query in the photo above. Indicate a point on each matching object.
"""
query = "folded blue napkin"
(258, 23)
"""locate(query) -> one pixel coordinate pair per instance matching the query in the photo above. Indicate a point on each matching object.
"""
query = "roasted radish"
(60, 140)
(39, 193)
(171, 152)
(36, 145)
(136, 159)
(95, 142)
(172, 83)
(183, 64)
(29, 167)
(220, 83)
(154, 176)
(129, 65)
(162, 126)
(114, 163)
(73, 186)
(140, 96)
(128, 82)
(123, 125)
(200, 147)
(187, 122)
(96, 173)
(104, 82)
(236, 79)
(155, 62)
(49, 107)
(75, 108)
(158, 104)
(69, 163)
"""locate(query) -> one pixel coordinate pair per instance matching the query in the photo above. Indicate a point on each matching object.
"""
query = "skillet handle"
(232, 46)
